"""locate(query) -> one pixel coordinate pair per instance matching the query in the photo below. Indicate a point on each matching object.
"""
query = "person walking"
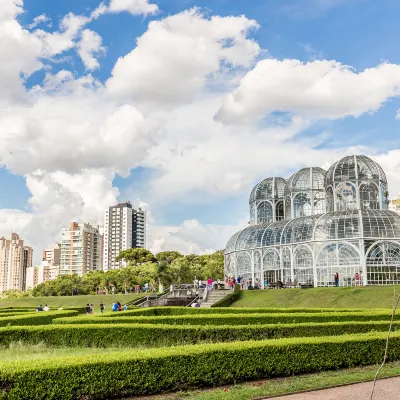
(152, 288)
(91, 309)
(102, 307)
(209, 283)
(336, 279)
(195, 283)
(357, 279)
(88, 309)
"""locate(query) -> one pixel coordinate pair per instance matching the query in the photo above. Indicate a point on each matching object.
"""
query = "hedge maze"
(154, 350)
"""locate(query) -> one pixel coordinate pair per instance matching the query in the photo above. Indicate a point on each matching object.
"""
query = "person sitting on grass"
(60, 308)
(125, 307)
(102, 307)
(46, 308)
(115, 307)
(88, 309)
(119, 306)
(40, 308)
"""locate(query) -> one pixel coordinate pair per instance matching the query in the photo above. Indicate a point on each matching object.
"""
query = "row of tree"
(143, 267)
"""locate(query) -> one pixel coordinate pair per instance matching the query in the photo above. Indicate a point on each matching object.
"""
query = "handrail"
(144, 299)
(195, 300)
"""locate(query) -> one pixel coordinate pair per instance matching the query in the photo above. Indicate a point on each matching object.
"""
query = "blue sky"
(359, 33)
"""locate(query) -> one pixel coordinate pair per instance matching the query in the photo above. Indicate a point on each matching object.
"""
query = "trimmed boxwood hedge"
(166, 311)
(136, 372)
(233, 319)
(36, 318)
(127, 335)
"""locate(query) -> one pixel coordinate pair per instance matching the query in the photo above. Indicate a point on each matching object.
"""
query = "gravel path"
(385, 389)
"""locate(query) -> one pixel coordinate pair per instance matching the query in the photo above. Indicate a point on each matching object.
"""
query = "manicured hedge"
(233, 319)
(166, 311)
(127, 335)
(137, 372)
(37, 318)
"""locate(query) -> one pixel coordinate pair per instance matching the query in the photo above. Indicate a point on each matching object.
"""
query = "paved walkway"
(385, 389)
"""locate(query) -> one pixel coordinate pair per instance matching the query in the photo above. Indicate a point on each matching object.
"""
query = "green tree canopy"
(136, 256)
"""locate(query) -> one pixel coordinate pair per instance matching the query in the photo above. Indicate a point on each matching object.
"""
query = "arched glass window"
(369, 196)
(264, 212)
(341, 258)
(286, 257)
(303, 266)
(346, 196)
(244, 265)
(279, 213)
(272, 266)
(319, 203)
(302, 205)
(383, 263)
(330, 205)
(230, 265)
(288, 207)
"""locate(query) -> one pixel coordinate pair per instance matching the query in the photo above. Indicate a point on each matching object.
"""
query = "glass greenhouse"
(317, 224)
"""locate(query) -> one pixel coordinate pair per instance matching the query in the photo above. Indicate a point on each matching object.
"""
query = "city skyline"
(96, 109)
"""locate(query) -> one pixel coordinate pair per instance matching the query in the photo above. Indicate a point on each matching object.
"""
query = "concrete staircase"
(214, 296)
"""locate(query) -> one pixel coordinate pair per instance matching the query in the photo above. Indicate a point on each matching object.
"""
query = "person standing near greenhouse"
(337, 279)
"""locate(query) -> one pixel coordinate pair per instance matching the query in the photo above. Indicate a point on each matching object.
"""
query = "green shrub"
(138, 372)
(166, 311)
(230, 298)
(233, 319)
(127, 335)
(38, 318)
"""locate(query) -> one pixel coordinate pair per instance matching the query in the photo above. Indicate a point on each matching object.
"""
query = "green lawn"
(70, 301)
(364, 297)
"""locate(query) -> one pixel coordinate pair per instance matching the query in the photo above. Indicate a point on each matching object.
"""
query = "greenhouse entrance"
(272, 276)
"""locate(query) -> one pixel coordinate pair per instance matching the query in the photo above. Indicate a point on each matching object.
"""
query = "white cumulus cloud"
(319, 89)
(174, 58)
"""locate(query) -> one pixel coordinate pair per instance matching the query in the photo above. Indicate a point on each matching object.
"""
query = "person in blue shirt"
(115, 306)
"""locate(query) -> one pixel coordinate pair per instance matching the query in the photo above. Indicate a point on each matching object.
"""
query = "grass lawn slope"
(70, 301)
(364, 297)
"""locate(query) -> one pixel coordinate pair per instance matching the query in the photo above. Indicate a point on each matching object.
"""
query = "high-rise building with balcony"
(52, 255)
(15, 258)
(80, 249)
(124, 228)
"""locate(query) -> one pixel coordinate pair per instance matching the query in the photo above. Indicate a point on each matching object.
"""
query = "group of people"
(46, 308)
(115, 307)
(209, 283)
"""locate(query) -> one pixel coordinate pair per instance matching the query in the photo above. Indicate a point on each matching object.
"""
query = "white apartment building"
(41, 273)
(15, 259)
(80, 249)
(124, 228)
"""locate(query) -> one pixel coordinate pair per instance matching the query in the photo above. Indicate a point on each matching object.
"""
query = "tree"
(179, 271)
(168, 256)
(136, 256)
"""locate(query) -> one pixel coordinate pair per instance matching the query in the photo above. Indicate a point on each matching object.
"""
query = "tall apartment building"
(15, 258)
(124, 228)
(52, 255)
(80, 249)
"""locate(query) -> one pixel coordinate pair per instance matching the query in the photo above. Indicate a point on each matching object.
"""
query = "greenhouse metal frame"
(359, 239)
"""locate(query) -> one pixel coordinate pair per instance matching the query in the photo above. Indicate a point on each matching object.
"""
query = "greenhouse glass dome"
(318, 224)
